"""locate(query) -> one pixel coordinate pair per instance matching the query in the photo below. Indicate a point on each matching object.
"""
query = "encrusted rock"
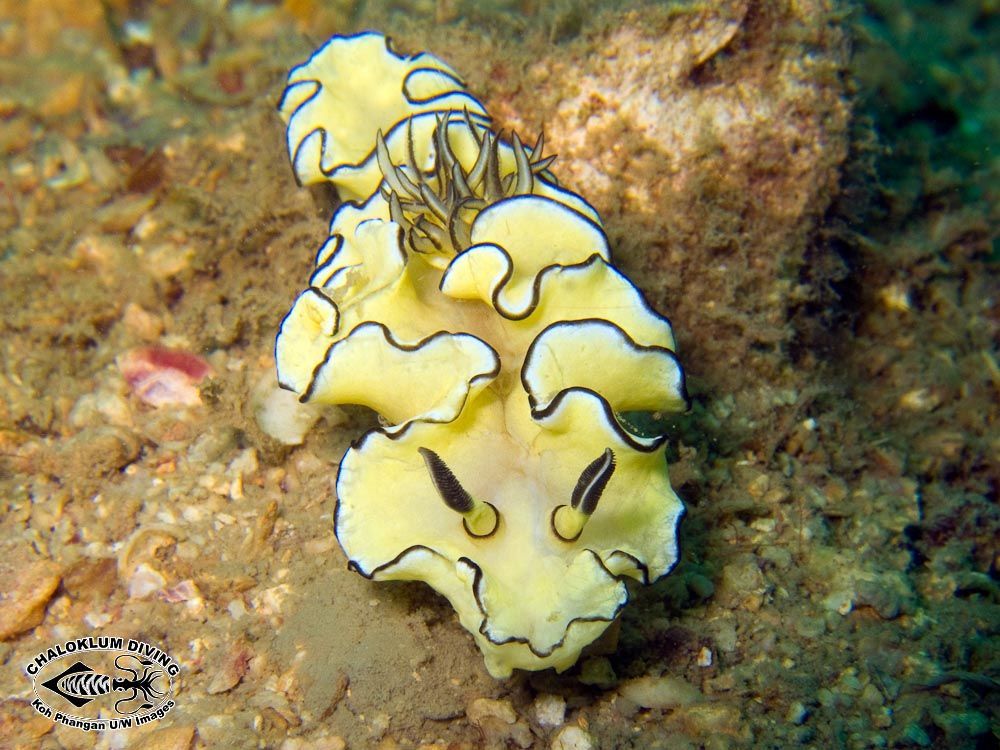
(742, 584)
(890, 595)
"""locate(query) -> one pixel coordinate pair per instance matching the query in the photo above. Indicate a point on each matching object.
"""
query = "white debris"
(550, 710)
(660, 692)
(280, 415)
(572, 738)
(145, 581)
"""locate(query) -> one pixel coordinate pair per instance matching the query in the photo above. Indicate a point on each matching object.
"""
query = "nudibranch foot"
(472, 302)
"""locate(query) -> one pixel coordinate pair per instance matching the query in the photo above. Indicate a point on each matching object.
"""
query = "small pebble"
(742, 584)
(25, 589)
(797, 713)
(572, 738)
(723, 632)
(141, 323)
(145, 581)
(959, 726)
(234, 666)
(827, 698)
(809, 627)
(550, 710)
(841, 602)
(889, 595)
(483, 708)
(700, 586)
(380, 724)
(598, 671)
(100, 408)
(914, 734)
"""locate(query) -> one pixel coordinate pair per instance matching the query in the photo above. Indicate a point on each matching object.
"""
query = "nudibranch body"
(471, 301)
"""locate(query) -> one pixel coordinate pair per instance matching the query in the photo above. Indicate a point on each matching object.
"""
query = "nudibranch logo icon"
(110, 684)
(79, 684)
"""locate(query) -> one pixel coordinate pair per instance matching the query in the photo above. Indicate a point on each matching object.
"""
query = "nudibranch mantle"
(471, 301)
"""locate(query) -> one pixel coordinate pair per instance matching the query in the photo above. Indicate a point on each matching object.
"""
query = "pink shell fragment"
(182, 592)
(164, 377)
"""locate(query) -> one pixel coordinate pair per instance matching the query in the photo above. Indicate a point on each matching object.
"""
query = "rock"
(809, 627)
(380, 724)
(742, 584)
(92, 579)
(797, 713)
(840, 601)
(216, 729)
(640, 83)
(498, 722)
(234, 667)
(213, 445)
(550, 710)
(21, 725)
(723, 632)
(26, 586)
(914, 734)
(597, 671)
(482, 708)
(700, 586)
(141, 323)
(889, 595)
(95, 452)
(101, 407)
(572, 738)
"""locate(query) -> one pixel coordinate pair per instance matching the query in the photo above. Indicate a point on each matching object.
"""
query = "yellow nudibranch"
(471, 301)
